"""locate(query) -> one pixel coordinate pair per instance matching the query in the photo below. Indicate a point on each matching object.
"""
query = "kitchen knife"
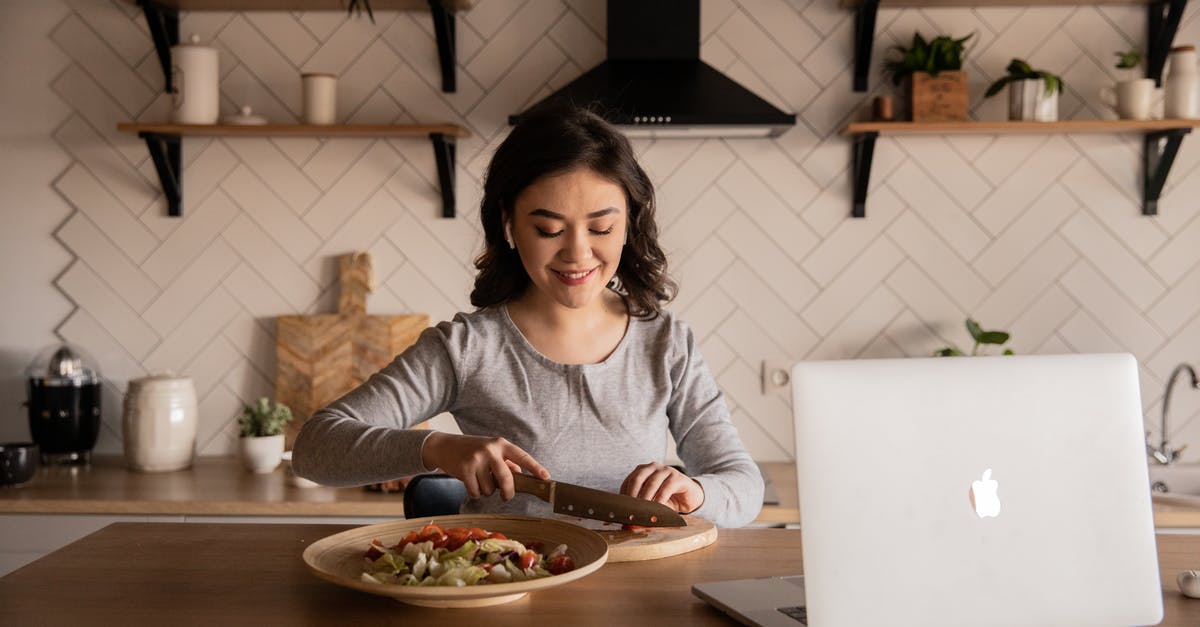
(574, 500)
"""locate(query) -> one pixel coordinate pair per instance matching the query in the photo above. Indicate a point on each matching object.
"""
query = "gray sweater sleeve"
(362, 438)
(708, 444)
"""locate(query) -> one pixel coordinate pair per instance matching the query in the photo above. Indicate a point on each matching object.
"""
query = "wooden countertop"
(253, 574)
(217, 486)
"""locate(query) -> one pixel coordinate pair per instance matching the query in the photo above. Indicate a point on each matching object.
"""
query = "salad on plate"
(460, 556)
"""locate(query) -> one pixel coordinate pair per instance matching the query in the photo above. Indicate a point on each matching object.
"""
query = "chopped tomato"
(374, 551)
(497, 535)
(456, 537)
(528, 559)
(634, 528)
(431, 529)
(475, 533)
(561, 564)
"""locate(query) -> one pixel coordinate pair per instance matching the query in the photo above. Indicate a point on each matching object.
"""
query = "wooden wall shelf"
(164, 140)
(1162, 22)
(1160, 144)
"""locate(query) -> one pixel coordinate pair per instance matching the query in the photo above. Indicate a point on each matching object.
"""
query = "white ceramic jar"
(1181, 87)
(320, 98)
(197, 92)
(159, 423)
(261, 454)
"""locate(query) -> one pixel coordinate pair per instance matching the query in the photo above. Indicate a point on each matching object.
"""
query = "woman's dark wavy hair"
(553, 141)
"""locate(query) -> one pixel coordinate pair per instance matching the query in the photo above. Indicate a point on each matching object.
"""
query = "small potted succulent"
(261, 444)
(1032, 94)
(937, 84)
(981, 337)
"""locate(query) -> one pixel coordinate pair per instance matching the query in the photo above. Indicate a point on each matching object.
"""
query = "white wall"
(1040, 235)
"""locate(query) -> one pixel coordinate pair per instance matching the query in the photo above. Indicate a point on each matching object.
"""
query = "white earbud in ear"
(508, 236)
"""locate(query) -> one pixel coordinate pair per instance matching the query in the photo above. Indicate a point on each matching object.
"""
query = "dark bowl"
(18, 462)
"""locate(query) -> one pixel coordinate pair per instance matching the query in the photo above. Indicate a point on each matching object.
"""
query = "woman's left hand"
(664, 484)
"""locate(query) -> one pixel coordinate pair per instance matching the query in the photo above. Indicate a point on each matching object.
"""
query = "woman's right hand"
(482, 464)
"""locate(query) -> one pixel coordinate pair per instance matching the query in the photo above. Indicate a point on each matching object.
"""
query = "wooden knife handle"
(531, 485)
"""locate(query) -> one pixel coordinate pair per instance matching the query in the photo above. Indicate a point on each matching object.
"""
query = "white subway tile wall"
(1040, 235)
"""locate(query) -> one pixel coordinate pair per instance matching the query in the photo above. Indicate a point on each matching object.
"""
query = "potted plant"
(937, 84)
(981, 337)
(1032, 94)
(1132, 97)
(261, 444)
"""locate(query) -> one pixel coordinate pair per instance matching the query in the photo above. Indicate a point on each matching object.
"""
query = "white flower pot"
(1027, 100)
(261, 454)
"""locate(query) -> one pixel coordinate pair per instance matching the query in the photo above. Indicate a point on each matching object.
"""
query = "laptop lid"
(975, 491)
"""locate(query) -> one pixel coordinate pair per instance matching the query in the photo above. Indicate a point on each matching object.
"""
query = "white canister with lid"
(159, 423)
(1181, 88)
(197, 91)
(320, 98)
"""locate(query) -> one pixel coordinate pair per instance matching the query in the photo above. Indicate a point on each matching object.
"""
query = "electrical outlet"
(776, 375)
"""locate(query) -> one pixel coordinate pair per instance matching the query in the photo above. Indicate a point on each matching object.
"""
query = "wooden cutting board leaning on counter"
(321, 357)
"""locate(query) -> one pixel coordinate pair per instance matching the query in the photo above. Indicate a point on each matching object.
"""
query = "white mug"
(1133, 99)
(320, 98)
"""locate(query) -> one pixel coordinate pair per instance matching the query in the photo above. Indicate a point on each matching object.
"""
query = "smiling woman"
(571, 366)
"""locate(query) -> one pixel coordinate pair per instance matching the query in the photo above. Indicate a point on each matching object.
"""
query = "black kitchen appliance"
(64, 404)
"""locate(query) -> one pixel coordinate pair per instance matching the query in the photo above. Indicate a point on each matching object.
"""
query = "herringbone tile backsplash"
(1039, 235)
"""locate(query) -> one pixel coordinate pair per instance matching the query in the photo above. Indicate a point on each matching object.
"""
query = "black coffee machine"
(64, 404)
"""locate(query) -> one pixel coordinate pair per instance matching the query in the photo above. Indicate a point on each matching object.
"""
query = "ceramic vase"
(1028, 101)
(261, 454)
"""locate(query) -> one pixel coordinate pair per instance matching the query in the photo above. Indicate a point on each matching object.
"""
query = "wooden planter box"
(941, 98)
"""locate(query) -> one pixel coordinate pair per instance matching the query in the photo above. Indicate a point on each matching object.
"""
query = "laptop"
(966, 491)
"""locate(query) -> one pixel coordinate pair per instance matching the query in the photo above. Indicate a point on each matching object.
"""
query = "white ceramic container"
(1028, 100)
(196, 78)
(1181, 88)
(159, 423)
(261, 454)
(320, 98)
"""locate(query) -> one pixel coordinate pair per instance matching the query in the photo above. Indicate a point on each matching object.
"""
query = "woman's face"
(569, 230)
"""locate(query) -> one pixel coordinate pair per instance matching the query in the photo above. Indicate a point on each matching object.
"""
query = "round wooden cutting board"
(650, 543)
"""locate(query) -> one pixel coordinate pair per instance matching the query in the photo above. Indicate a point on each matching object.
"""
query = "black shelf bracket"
(443, 151)
(864, 39)
(1157, 159)
(864, 151)
(1161, 24)
(166, 151)
(444, 30)
(164, 30)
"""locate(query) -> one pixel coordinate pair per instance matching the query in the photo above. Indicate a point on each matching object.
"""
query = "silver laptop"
(966, 491)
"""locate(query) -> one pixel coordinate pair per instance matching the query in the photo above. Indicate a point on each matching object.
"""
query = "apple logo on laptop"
(984, 499)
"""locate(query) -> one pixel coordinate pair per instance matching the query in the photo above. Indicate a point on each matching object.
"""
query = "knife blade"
(576, 500)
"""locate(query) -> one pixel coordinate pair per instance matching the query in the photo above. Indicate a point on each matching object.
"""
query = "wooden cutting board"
(650, 543)
(322, 357)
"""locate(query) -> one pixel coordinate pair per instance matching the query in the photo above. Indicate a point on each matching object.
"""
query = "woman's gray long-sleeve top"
(588, 424)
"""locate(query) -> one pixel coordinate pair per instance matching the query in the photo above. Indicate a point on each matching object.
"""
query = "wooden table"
(223, 574)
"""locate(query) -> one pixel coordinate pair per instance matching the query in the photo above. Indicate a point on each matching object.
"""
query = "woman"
(569, 368)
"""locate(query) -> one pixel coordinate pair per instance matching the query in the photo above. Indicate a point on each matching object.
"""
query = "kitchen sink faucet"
(1164, 455)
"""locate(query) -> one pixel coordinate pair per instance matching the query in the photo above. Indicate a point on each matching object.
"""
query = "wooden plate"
(650, 543)
(339, 558)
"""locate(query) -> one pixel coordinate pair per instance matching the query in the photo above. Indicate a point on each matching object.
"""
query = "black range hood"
(654, 84)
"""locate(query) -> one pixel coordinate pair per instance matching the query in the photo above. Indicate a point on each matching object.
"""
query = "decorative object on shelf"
(1181, 88)
(158, 425)
(319, 358)
(881, 109)
(937, 83)
(18, 463)
(1032, 94)
(1131, 98)
(244, 117)
(197, 95)
(64, 404)
(320, 98)
(261, 445)
(981, 337)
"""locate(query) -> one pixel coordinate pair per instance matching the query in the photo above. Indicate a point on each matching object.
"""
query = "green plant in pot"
(261, 444)
(937, 84)
(1032, 94)
(981, 337)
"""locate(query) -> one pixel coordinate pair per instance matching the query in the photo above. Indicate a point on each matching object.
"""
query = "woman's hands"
(482, 464)
(657, 482)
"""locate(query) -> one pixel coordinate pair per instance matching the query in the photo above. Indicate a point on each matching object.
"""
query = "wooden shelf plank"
(304, 5)
(1017, 128)
(297, 130)
(933, 4)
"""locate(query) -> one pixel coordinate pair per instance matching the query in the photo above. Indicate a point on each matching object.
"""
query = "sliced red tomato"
(527, 560)
(561, 564)
(456, 537)
(374, 551)
(475, 533)
(497, 535)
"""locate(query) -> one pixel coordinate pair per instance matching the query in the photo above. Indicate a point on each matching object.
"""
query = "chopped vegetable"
(460, 556)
